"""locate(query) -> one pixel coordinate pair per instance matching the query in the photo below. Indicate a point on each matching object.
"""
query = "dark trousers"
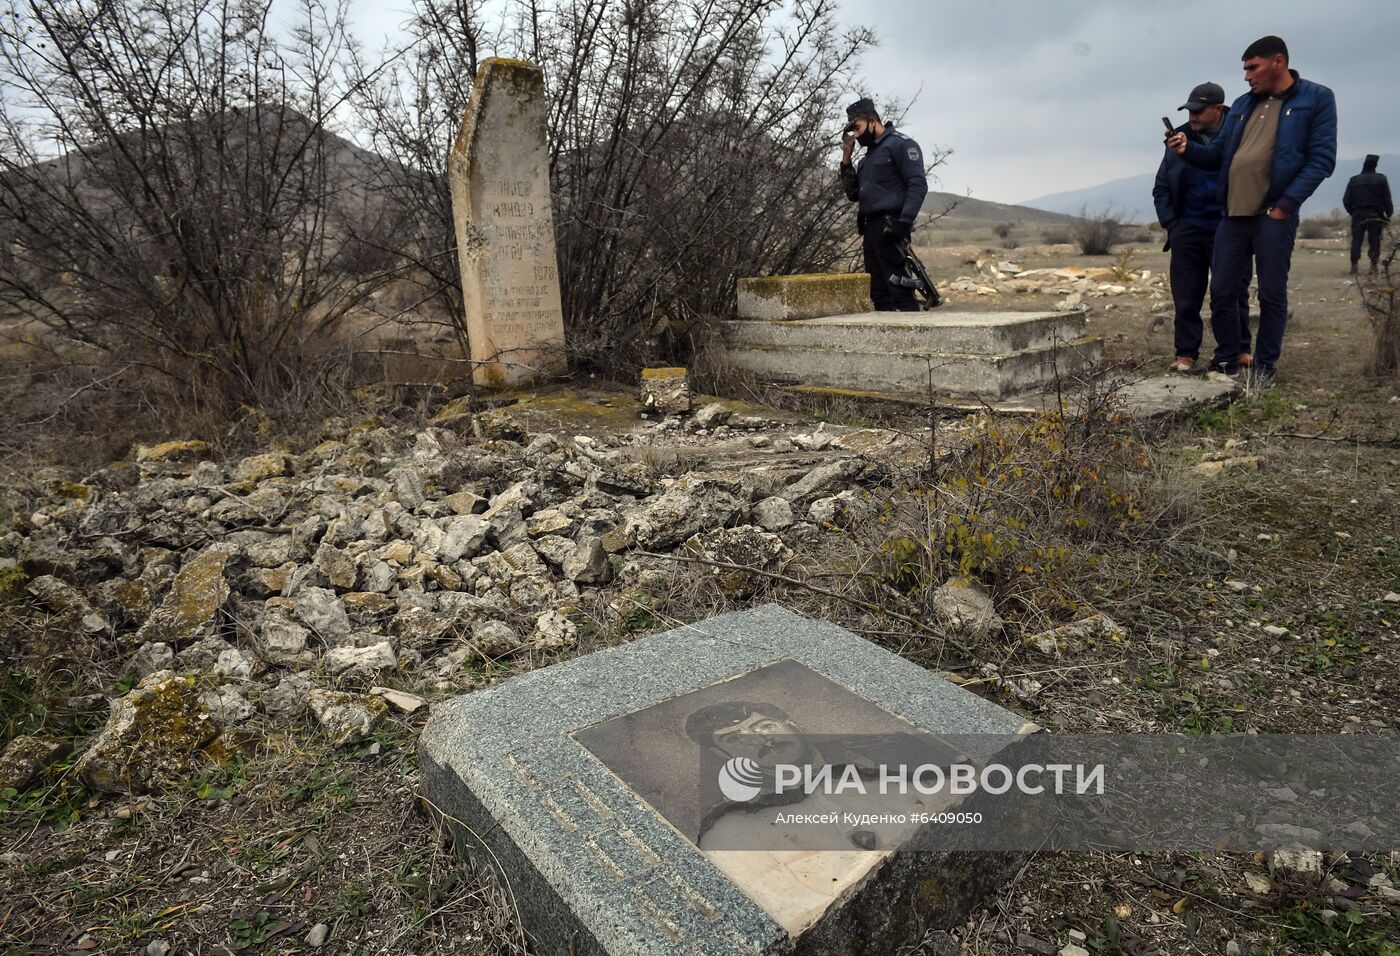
(1192, 248)
(1368, 227)
(882, 260)
(1269, 243)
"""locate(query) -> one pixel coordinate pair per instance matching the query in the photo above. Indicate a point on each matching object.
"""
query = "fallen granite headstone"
(583, 786)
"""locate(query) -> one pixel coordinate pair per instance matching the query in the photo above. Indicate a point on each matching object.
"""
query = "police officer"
(890, 186)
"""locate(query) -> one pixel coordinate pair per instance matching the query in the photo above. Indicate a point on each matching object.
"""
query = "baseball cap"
(1207, 94)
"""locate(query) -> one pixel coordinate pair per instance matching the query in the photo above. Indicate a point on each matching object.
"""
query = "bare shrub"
(1011, 243)
(682, 154)
(171, 194)
(1125, 265)
(1378, 292)
(1003, 230)
(1056, 236)
(1022, 506)
(1097, 233)
(1314, 229)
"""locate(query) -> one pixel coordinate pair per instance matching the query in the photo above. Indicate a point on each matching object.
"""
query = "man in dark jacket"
(1189, 210)
(1278, 144)
(890, 185)
(1367, 201)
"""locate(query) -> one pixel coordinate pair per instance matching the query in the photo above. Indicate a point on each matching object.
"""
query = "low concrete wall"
(804, 296)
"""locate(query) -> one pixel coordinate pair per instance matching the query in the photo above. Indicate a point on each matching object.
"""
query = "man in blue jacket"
(890, 186)
(1189, 209)
(1278, 144)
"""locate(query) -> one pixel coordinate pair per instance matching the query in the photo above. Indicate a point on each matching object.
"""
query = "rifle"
(916, 277)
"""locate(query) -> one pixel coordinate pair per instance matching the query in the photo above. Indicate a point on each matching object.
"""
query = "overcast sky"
(1039, 96)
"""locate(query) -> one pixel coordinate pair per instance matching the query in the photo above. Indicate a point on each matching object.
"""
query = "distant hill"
(1133, 194)
(982, 210)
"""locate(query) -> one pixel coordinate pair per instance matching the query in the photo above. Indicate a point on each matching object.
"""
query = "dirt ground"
(296, 835)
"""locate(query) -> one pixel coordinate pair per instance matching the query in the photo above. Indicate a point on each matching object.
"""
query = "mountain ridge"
(1132, 195)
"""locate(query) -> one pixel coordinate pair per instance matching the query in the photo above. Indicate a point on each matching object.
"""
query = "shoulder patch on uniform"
(913, 152)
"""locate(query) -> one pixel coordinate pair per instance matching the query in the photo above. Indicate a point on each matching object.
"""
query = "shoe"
(1182, 364)
(1353, 268)
(1261, 378)
(1221, 369)
(1246, 360)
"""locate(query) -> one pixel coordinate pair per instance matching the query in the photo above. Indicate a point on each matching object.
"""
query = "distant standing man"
(1188, 207)
(1367, 201)
(1277, 146)
(890, 186)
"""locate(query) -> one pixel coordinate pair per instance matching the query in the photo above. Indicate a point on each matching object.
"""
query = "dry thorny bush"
(181, 194)
(1026, 508)
(1378, 292)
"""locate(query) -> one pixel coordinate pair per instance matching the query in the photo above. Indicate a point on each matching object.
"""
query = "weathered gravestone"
(584, 786)
(499, 171)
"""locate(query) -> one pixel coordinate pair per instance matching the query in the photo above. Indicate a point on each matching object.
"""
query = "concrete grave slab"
(1171, 396)
(504, 220)
(988, 354)
(580, 784)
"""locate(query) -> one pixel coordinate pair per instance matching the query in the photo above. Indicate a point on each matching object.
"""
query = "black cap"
(1207, 94)
(862, 107)
(1370, 163)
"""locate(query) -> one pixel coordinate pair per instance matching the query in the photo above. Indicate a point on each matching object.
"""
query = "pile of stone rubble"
(285, 583)
(999, 277)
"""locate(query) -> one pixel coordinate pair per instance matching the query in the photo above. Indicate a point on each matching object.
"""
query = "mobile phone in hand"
(1168, 124)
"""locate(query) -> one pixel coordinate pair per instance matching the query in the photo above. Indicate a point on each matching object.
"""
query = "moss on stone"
(150, 738)
(803, 296)
(173, 451)
(197, 593)
(71, 490)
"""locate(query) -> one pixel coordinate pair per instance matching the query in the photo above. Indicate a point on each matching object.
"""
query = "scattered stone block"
(747, 546)
(347, 718)
(361, 660)
(173, 451)
(256, 468)
(773, 514)
(400, 700)
(1297, 859)
(964, 607)
(26, 757)
(191, 608)
(495, 639)
(665, 390)
(152, 737)
(554, 630)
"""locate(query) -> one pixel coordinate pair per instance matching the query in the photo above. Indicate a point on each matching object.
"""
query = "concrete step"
(971, 333)
(916, 371)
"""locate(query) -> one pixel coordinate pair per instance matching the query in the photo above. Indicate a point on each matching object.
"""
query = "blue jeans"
(1269, 243)
(1192, 249)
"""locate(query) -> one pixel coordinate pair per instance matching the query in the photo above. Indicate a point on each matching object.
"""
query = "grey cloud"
(1040, 97)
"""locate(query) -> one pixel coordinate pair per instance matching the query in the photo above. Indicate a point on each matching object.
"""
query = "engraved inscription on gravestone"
(499, 171)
